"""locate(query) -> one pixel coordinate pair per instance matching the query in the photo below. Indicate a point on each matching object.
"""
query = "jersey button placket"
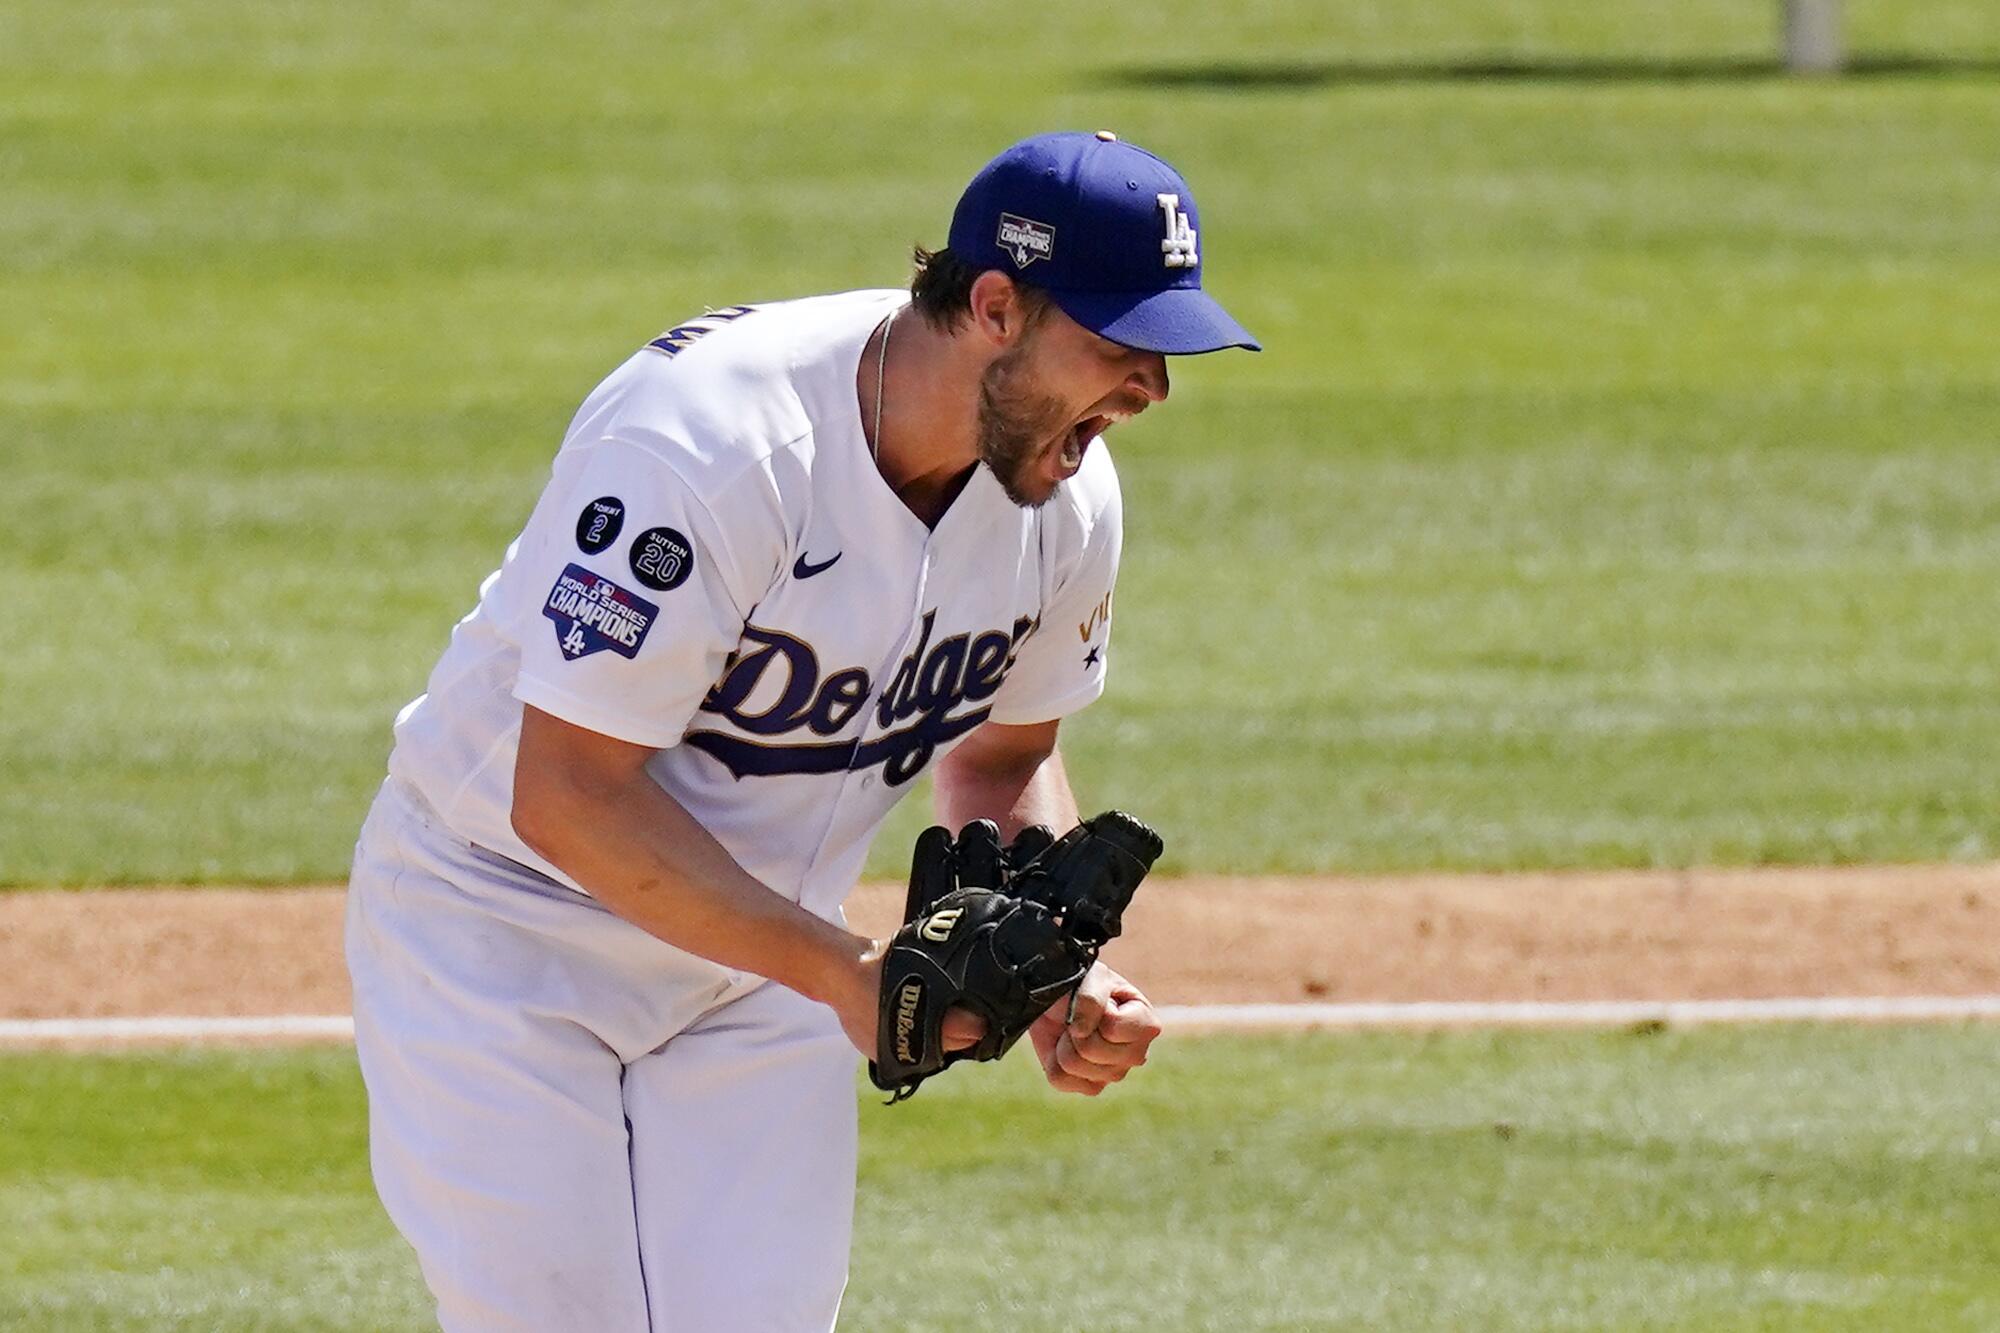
(885, 677)
(864, 780)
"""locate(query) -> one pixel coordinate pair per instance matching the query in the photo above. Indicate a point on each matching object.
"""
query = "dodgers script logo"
(1025, 239)
(591, 613)
(927, 685)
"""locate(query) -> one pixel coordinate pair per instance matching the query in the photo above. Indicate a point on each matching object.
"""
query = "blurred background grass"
(1619, 487)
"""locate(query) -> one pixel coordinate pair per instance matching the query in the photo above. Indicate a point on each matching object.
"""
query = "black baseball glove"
(1002, 932)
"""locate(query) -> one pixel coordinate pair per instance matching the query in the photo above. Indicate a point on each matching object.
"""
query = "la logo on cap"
(1178, 249)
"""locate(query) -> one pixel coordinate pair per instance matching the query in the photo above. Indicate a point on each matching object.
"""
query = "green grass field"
(1619, 486)
(1758, 1179)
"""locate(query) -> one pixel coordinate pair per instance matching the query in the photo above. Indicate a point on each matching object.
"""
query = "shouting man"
(791, 557)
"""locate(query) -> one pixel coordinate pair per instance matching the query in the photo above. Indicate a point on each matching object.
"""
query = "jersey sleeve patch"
(591, 613)
(598, 525)
(662, 558)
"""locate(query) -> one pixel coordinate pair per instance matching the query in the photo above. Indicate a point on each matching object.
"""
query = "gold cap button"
(1107, 136)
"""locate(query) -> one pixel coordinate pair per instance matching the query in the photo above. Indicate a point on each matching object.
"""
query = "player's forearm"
(1014, 792)
(640, 853)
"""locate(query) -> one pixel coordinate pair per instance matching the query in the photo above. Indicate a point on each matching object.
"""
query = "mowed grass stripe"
(1758, 1178)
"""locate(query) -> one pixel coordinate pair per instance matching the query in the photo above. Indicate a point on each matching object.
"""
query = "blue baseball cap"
(1108, 230)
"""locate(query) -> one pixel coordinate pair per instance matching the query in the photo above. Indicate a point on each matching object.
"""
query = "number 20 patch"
(591, 613)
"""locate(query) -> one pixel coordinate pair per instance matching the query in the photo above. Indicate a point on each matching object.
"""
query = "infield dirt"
(1710, 934)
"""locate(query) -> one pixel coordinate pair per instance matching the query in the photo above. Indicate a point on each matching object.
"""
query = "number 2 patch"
(591, 613)
(597, 526)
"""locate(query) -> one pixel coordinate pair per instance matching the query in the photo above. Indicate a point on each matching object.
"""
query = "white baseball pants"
(577, 1126)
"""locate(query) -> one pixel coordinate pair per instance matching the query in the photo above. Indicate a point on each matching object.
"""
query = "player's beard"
(1018, 424)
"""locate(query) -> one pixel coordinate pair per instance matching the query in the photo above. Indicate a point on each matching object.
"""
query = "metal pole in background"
(1812, 37)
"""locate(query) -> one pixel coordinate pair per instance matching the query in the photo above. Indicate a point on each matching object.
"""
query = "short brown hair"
(941, 289)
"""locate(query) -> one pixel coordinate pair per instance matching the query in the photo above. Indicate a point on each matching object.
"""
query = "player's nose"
(1150, 378)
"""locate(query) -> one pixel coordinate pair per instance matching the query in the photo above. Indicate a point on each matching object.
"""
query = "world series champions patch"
(591, 613)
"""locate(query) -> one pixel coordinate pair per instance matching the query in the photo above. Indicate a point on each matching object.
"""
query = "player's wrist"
(842, 971)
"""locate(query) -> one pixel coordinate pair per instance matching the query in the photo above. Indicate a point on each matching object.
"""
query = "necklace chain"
(881, 369)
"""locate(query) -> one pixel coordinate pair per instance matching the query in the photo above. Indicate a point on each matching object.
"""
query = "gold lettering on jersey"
(1100, 615)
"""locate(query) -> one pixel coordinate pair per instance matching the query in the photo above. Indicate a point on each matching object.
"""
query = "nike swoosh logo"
(804, 569)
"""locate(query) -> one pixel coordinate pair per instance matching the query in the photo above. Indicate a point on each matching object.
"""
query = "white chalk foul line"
(284, 1026)
(1587, 1013)
(1421, 1014)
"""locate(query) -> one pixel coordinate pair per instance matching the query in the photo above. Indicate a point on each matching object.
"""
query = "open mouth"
(1079, 438)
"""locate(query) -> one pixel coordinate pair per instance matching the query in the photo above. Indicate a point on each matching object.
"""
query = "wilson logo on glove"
(909, 998)
(938, 929)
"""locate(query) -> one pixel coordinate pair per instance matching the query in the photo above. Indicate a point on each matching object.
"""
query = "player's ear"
(1000, 312)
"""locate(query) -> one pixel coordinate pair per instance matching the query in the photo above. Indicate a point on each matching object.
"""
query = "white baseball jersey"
(718, 570)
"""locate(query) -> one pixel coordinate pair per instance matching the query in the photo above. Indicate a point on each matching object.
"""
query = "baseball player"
(791, 557)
